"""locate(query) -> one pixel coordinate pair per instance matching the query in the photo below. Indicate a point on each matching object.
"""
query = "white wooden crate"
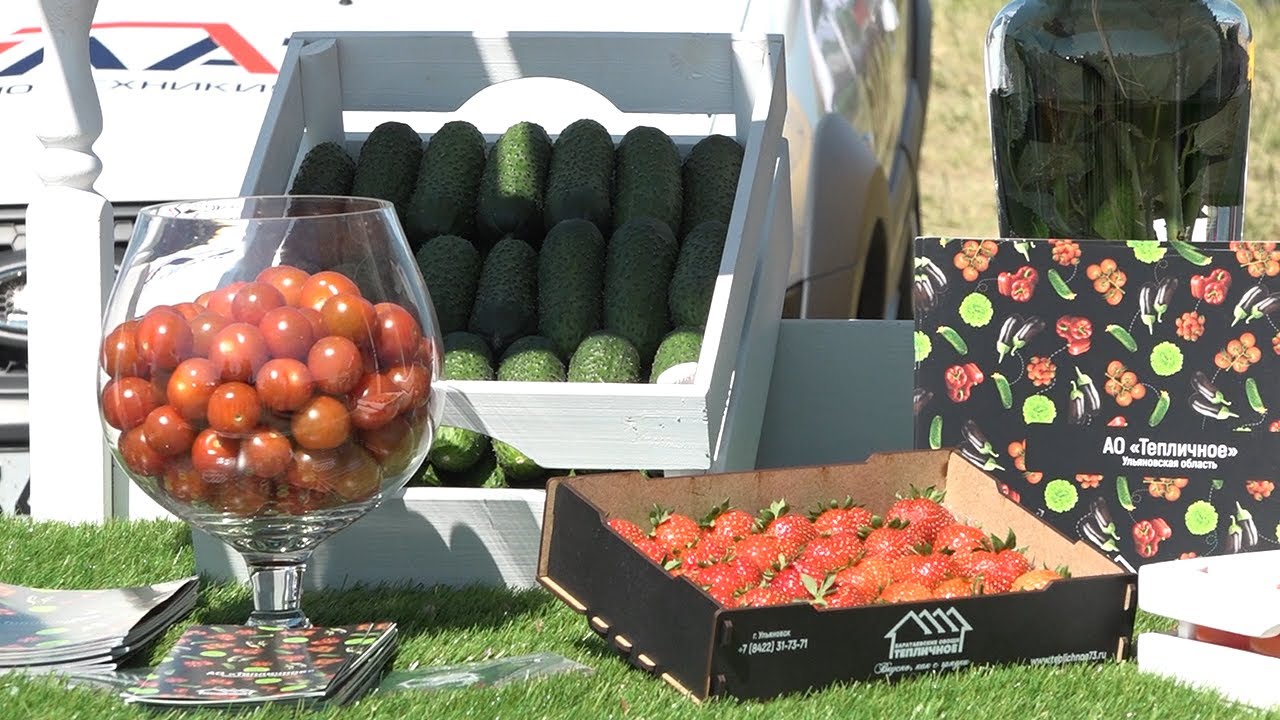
(460, 536)
(687, 84)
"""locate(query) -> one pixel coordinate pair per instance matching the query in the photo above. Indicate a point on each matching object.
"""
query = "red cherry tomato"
(183, 482)
(242, 496)
(284, 384)
(214, 453)
(191, 386)
(138, 455)
(323, 285)
(293, 500)
(323, 423)
(220, 300)
(234, 409)
(415, 381)
(238, 351)
(360, 476)
(335, 364)
(311, 469)
(313, 316)
(189, 310)
(127, 402)
(375, 401)
(391, 444)
(287, 279)
(168, 432)
(398, 335)
(287, 332)
(349, 470)
(254, 300)
(204, 327)
(266, 453)
(120, 356)
(350, 316)
(164, 338)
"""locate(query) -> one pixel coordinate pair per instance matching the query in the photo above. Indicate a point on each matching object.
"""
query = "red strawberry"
(723, 594)
(848, 547)
(747, 571)
(790, 583)
(821, 557)
(921, 508)
(959, 538)
(835, 517)
(735, 524)
(1013, 562)
(763, 551)
(729, 522)
(652, 549)
(629, 531)
(869, 576)
(673, 530)
(1037, 579)
(927, 568)
(889, 540)
(720, 574)
(763, 596)
(997, 565)
(709, 549)
(987, 570)
(909, 591)
(955, 587)
(794, 530)
(851, 596)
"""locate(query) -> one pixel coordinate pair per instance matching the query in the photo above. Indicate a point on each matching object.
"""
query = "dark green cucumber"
(711, 180)
(506, 305)
(450, 267)
(444, 198)
(647, 178)
(388, 165)
(326, 169)
(682, 345)
(513, 186)
(571, 283)
(580, 178)
(694, 280)
(639, 262)
(466, 357)
(605, 357)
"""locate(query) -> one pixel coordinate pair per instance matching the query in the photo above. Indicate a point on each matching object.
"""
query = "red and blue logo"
(217, 36)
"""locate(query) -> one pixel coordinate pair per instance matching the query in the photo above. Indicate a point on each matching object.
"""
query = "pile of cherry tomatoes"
(288, 394)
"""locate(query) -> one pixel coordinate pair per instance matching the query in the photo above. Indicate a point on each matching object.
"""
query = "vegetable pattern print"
(241, 663)
(1128, 392)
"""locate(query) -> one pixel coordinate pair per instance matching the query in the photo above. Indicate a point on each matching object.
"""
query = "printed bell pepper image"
(1019, 285)
(1212, 288)
(1077, 331)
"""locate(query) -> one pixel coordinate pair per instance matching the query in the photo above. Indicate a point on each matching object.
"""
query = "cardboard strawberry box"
(1228, 633)
(674, 629)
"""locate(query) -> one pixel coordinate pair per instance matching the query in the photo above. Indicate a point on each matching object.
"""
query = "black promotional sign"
(1126, 392)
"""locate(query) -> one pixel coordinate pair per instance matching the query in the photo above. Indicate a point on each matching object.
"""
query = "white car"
(184, 86)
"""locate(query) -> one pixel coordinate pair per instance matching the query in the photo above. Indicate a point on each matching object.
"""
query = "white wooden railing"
(69, 266)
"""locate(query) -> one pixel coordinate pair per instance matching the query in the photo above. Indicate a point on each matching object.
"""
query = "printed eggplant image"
(1127, 399)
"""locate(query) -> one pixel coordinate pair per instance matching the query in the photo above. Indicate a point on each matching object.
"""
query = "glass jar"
(1120, 119)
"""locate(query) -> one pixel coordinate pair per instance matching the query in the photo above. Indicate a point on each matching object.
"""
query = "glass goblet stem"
(276, 583)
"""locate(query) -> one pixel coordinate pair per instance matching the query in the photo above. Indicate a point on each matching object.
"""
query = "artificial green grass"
(443, 625)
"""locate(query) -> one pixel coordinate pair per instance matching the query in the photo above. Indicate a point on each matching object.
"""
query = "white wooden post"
(69, 251)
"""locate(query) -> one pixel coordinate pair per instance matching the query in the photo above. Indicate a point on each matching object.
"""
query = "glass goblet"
(268, 373)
